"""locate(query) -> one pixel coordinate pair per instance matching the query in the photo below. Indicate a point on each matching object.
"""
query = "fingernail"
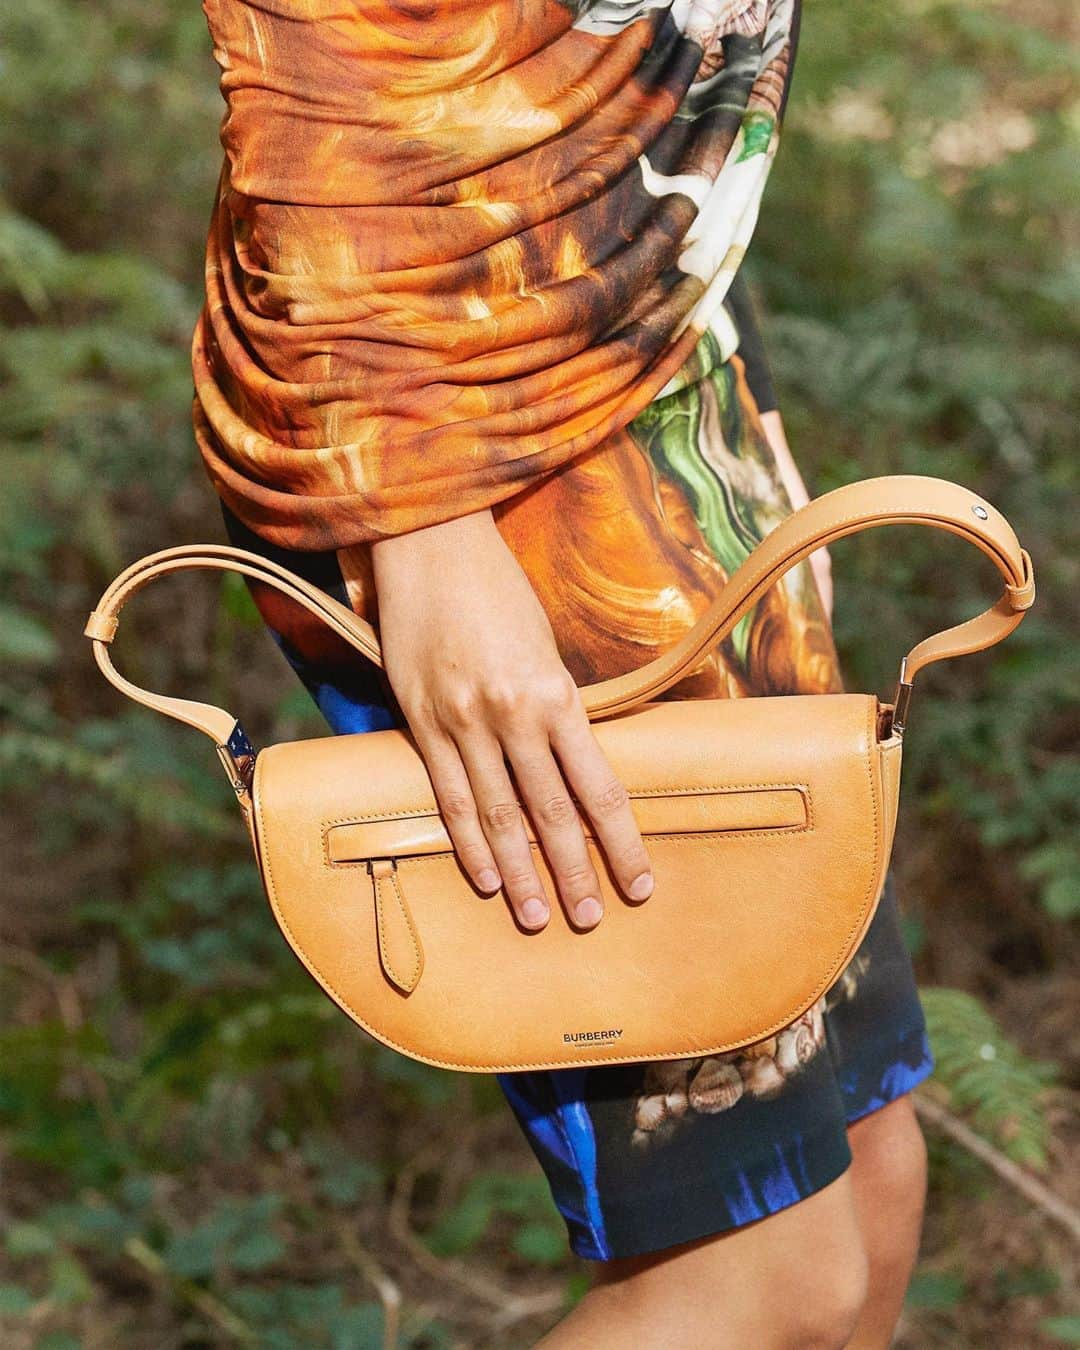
(588, 912)
(642, 887)
(534, 912)
(488, 880)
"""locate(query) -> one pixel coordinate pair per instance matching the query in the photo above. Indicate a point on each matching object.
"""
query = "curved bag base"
(769, 822)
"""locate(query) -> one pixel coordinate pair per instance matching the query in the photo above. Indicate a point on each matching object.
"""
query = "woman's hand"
(820, 561)
(472, 660)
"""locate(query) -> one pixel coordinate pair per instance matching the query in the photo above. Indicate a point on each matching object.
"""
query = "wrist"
(432, 539)
(434, 542)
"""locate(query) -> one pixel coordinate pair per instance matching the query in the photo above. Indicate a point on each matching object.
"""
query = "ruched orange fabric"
(457, 245)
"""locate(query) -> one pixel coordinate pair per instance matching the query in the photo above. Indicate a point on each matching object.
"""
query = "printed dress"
(486, 255)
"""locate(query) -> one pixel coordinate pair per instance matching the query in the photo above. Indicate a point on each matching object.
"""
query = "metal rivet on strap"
(981, 512)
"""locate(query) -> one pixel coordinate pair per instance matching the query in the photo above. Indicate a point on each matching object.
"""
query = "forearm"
(759, 378)
(792, 479)
(786, 467)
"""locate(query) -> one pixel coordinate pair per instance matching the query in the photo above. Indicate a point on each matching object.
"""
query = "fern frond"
(987, 1076)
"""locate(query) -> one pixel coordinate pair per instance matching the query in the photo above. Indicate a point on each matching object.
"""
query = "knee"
(802, 1296)
(823, 1315)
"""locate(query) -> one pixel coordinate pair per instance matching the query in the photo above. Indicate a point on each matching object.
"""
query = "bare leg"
(794, 1281)
(888, 1174)
(831, 1271)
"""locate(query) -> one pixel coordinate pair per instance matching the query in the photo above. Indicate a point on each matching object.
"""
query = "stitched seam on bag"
(803, 789)
(720, 1049)
(417, 957)
(678, 837)
(677, 789)
(674, 835)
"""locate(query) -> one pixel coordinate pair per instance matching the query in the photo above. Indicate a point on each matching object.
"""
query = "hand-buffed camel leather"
(769, 822)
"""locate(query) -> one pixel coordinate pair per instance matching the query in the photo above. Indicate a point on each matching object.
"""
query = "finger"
(606, 802)
(504, 828)
(558, 824)
(458, 808)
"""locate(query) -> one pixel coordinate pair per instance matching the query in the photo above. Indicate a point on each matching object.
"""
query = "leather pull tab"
(400, 952)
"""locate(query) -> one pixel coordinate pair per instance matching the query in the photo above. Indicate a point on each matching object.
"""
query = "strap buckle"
(901, 700)
(237, 757)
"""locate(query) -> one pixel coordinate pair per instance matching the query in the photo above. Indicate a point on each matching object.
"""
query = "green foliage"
(1025, 1281)
(922, 318)
(185, 1115)
(936, 1289)
(342, 1179)
(237, 1234)
(296, 1314)
(987, 1075)
(1064, 1330)
(536, 1233)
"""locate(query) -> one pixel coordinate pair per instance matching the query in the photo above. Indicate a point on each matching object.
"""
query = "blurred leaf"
(542, 1244)
(343, 1178)
(24, 639)
(68, 1280)
(28, 1239)
(237, 1233)
(427, 1086)
(236, 601)
(14, 1300)
(539, 1234)
(1026, 1282)
(1057, 866)
(936, 1289)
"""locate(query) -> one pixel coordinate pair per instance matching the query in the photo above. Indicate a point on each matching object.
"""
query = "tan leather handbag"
(769, 822)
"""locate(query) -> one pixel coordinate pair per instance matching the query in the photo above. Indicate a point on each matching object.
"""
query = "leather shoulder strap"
(903, 499)
(899, 499)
